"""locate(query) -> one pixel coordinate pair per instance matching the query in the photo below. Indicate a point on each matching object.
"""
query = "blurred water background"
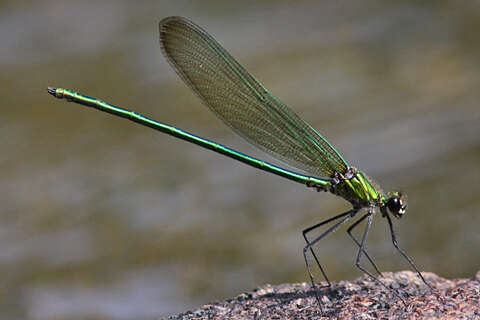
(103, 219)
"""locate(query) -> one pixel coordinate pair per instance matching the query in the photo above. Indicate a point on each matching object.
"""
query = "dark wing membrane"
(241, 102)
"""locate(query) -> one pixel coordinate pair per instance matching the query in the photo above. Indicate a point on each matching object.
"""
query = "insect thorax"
(356, 188)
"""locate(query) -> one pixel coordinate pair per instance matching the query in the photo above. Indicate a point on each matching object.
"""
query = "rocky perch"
(358, 299)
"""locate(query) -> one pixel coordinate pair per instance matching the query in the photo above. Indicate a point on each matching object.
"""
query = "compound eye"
(396, 206)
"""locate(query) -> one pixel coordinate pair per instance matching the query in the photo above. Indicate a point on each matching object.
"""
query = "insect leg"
(344, 218)
(349, 231)
(361, 250)
(410, 261)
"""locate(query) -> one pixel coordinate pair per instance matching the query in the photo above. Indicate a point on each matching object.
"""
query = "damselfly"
(244, 105)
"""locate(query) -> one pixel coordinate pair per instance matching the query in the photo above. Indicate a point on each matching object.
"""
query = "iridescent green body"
(359, 190)
(246, 106)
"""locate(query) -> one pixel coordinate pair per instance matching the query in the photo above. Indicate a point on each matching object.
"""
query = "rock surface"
(358, 299)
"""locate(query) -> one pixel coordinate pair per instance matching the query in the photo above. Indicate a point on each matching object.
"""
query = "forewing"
(241, 102)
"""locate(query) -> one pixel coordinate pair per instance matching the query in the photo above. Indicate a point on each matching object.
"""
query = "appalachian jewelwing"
(244, 105)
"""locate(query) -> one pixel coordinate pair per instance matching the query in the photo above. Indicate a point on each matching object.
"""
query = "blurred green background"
(101, 218)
